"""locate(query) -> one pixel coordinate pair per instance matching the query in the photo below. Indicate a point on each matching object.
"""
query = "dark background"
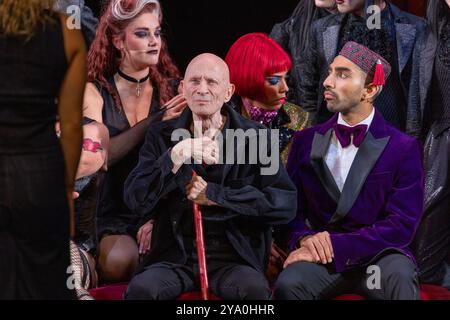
(196, 26)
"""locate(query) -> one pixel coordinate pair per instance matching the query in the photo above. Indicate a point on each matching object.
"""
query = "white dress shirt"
(339, 160)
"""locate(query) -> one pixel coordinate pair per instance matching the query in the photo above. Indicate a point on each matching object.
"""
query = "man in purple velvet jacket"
(360, 193)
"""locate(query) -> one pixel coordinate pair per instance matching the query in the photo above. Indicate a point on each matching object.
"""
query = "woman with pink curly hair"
(133, 83)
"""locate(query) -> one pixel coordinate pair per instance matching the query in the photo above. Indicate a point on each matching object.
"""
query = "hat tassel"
(379, 78)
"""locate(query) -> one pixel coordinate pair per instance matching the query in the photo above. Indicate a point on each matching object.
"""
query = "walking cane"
(200, 249)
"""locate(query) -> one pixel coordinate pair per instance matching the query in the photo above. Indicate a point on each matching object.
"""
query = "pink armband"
(89, 145)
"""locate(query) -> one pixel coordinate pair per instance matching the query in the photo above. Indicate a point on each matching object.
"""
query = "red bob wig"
(250, 59)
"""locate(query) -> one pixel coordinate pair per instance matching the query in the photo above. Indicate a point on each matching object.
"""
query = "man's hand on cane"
(196, 191)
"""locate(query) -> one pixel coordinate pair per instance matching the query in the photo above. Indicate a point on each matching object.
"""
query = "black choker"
(131, 79)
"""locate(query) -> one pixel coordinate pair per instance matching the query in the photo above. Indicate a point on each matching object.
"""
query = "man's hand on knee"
(302, 254)
(320, 247)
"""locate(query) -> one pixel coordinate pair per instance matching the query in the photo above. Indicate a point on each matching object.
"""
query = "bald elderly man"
(240, 201)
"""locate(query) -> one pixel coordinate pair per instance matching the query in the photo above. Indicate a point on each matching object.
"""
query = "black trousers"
(167, 281)
(34, 228)
(309, 281)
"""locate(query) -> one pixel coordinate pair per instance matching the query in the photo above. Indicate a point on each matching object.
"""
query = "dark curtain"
(417, 7)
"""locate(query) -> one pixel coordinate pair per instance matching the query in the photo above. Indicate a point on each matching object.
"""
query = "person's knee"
(285, 286)
(152, 284)
(255, 289)
(138, 289)
(292, 282)
(399, 275)
(116, 269)
(399, 279)
(118, 263)
(398, 269)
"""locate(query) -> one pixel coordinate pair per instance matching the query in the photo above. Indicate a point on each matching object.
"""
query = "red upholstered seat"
(196, 296)
(109, 292)
(350, 297)
(115, 292)
(432, 292)
(427, 292)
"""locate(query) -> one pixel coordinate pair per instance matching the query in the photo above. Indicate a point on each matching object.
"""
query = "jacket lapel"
(319, 150)
(406, 35)
(367, 156)
(426, 69)
(331, 39)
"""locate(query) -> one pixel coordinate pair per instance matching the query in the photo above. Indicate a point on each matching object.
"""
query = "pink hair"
(250, 59)
(104, 57)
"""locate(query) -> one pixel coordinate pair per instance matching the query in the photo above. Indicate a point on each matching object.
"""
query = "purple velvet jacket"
(381, 202)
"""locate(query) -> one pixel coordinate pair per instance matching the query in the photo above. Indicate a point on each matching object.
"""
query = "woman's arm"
(70, 106)
(123, 143)
(92, 103)
(95, 149)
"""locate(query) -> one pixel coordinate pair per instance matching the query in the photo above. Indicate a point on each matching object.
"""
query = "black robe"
(252, 202)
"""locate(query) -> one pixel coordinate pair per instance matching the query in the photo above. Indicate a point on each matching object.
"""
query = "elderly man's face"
(206, 85)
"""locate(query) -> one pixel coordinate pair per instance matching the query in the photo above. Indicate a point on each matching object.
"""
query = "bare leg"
(118, 258)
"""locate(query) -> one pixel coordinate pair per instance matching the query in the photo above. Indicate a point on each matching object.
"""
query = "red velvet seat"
(427, 292)
(110, 292)
(196, 296)
(350, 297)
(432, 292)
(115, 292)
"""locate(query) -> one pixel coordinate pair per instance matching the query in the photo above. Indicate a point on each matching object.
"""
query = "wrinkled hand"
(276, 261)
(202, 150)
(302, 254)
(175, 107)
(320, 247)
(195, 191)
(144, 237)
(277, 255)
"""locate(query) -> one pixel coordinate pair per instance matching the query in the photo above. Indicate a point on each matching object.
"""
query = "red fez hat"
(370, 62)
